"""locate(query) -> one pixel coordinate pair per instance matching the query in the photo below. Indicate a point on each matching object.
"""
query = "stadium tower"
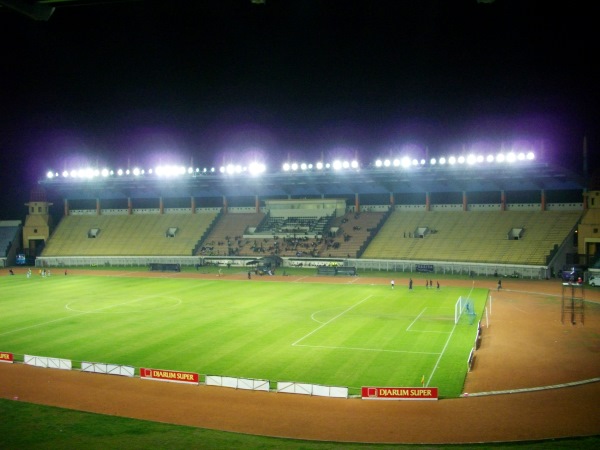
(38, 223)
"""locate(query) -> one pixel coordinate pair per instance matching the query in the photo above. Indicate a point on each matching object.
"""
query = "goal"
(463, 305)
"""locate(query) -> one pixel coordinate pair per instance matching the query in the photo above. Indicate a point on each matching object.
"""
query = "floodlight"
(104, 172)
(345, 165)
(136, 172)
(378, 163)
(405, 162)
(354, 164)
(386, 163)
(120, 172)
(256, 168)
(320, 165)
(461, 159)
(500, 157)
(490, 158)
(471, 159)
(511, 157)
(433, 161)
(337, 165)
(396, 162)
(303, 166)
(443, 160)
(49, 174)
(414, 162)
(530, 156)
(452, 160)
(294, 166)
(521, 156)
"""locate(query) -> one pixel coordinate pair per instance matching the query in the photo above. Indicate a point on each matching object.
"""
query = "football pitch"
(349, 335)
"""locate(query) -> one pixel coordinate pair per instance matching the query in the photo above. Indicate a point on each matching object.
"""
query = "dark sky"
(218, 81)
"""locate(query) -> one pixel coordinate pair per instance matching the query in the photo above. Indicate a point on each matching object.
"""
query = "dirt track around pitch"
(525, 346)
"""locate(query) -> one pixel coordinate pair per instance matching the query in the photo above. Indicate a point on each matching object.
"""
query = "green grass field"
(331, 334)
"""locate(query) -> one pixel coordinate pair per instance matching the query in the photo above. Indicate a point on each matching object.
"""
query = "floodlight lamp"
(490, 158)
(354, 164)
(378, 163)
(415, 162)
(310, 166)
(521, 156)
(190, 170)
(471, 159)
(511, 157)
(337, 165)
(396, 162)
(500, 157)
(432, 162)
(294, 166)
(256, 168)
(136, 172)
(405, 162)
(345, 165)
(303, 166)
(328, 166)
(104, 172)
(65, 174)
(479, 159)
(422, 162)
(128, 172)
(461, 159)
(452, 160)
(443, 160)
(50, 174)
(120, 172)
(286, 167)
(320, 165)
(386, 163)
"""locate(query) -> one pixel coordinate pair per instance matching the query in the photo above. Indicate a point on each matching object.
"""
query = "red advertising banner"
(174, 376)
(399, 393)
(6, 357)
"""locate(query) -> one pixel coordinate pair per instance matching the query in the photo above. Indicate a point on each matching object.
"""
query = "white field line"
(425, 331)
(365, 349)
(71, 316)
(441, 354)
(331, 320)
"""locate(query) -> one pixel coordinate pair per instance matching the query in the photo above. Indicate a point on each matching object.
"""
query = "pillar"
(464, 206)
(66, 206)
(193, 204)
(356, 203)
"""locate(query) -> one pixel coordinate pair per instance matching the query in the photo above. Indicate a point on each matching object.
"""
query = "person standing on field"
(392, 284)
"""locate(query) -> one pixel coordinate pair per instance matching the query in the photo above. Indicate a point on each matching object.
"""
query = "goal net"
(464, 305)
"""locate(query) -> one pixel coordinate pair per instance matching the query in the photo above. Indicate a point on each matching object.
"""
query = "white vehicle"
(594, 281)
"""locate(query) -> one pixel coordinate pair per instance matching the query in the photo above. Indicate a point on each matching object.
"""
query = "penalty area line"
(331, 320)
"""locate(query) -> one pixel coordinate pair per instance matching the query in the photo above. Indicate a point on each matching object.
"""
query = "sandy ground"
(526, 346)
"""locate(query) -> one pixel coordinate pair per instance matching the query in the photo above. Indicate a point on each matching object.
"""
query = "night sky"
(213, 82)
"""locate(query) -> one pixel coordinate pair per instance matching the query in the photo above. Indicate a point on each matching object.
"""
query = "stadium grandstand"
(522, 219)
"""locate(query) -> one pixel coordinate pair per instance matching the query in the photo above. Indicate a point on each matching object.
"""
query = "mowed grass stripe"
(243, 329)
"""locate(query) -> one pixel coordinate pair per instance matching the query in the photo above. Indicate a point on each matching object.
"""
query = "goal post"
(463, 304)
